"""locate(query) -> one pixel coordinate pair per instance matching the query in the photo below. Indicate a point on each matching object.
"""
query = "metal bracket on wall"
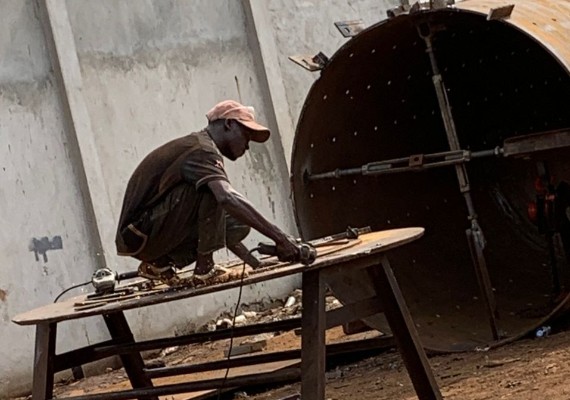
(311, 63)
(405, 8)
(500, 12)
(350, 28)
(437, 4)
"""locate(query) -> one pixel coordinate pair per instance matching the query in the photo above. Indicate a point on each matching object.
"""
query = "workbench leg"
(43, 361)
(404, 331)
(313, 326)
(133, 362)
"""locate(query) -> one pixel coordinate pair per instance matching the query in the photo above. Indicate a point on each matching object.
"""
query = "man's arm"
(240, 208)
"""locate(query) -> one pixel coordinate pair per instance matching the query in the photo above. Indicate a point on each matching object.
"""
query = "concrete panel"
(44, 243)
(307, 27)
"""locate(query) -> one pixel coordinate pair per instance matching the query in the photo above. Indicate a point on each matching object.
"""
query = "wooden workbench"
(368, 251)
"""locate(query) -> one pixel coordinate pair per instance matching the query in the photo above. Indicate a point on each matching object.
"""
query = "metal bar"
(548, 225)
(405, 164)
(554, 267)
(133, 362)
(332, 350)
(484, 282)
(286, 375)
(350, 233)
(404, 331)
(478, 242)
(222, 364)
(42, 387)
(313, 355)
(520, 145)
(527, 144)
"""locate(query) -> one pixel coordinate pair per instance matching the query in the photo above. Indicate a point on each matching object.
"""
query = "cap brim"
(259, 132)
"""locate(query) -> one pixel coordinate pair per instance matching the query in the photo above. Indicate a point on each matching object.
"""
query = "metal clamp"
(311, 63)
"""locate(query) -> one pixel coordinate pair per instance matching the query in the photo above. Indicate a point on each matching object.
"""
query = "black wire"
(69, 288)
(233, 324)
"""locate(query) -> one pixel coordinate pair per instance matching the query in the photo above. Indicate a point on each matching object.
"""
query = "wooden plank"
(281, 375)
(349, 312)
(313, 356)
(332, 350)
(132, 362)
(370, 243)
(43, 361)
(200, 337)
(80, 356)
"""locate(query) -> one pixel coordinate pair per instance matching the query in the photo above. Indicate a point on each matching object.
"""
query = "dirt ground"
(536, 368)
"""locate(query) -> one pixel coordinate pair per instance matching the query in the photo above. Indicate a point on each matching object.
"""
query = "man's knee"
(235, 233)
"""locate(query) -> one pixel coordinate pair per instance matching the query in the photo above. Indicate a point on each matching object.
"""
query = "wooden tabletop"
(366, 245)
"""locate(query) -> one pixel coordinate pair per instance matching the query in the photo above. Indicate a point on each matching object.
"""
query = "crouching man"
(179, 206)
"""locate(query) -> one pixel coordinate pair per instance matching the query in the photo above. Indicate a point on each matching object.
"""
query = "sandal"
(217, 274)
(166, 275)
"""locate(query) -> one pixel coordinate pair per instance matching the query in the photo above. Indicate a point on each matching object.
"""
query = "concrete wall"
(87, 89)
(40, 195)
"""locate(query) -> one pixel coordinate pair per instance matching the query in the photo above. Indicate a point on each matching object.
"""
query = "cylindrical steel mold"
(376, 100)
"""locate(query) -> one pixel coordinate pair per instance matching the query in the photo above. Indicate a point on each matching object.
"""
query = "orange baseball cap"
(230, 109)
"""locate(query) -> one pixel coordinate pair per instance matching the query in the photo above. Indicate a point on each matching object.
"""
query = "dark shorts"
(187, 222)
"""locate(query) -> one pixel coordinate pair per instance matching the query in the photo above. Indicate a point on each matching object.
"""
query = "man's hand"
(241, 209)
(287, 249)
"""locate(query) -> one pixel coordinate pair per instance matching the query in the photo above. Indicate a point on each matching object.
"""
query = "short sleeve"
(202, 166)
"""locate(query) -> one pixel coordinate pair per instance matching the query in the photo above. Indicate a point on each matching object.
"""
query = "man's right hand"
(287, 249)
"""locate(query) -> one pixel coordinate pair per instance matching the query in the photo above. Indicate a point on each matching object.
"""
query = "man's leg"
(171, 226)
(211, 230)
(212, 224)
(211, 233)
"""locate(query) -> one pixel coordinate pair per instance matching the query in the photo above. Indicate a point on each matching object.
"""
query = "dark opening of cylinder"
(376, 101)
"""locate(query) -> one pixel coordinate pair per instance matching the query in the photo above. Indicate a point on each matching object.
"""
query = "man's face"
(238, 141)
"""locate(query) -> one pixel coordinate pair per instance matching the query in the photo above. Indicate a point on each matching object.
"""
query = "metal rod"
(414, 162)
(528, 144)
(475, 234)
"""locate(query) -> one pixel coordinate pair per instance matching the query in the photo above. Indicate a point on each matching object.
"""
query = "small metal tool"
(306, 254)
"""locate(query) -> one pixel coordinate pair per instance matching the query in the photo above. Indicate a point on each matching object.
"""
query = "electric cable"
(70, 288)
(233, 325)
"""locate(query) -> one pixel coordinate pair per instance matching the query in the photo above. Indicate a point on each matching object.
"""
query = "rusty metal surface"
(375, 101)
(535, 143)
(547, 21)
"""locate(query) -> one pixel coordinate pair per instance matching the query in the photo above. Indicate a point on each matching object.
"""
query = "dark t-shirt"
(192, 159)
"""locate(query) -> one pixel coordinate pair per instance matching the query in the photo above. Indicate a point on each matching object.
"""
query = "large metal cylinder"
(377, 99)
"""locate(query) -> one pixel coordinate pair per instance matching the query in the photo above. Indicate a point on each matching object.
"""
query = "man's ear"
(228, 124)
